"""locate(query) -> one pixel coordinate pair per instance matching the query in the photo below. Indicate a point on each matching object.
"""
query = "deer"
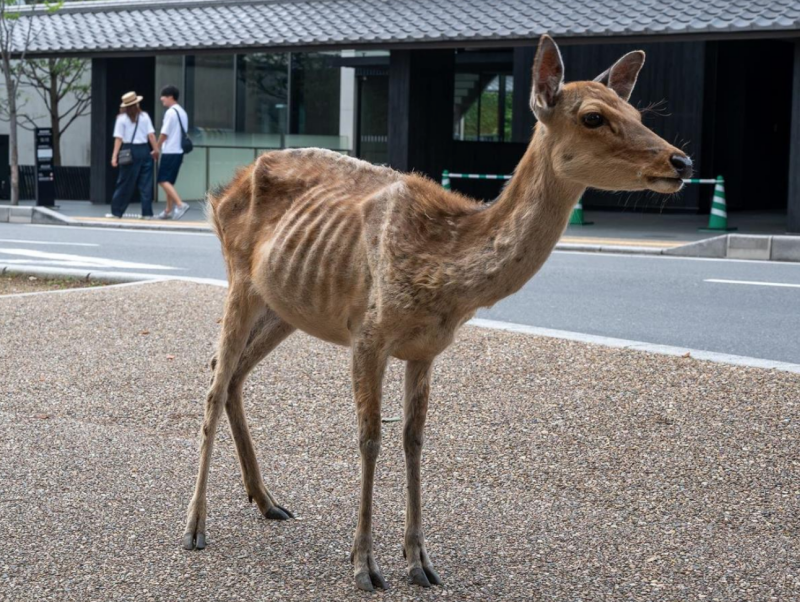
(391, 265)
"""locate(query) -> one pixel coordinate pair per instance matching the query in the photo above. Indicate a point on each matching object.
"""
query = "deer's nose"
(682, 164)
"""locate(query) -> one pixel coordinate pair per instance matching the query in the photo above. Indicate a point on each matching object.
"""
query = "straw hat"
(129, 99)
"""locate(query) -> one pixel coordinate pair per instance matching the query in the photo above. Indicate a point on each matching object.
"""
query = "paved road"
(670, 301)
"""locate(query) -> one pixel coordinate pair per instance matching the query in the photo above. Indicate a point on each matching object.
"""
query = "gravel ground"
(552, 470)
(15, 284)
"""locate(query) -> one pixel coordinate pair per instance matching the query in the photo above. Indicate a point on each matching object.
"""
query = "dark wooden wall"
(748, 115)
(486, 158)
(421, 110)
(673, 73)
(111, 78)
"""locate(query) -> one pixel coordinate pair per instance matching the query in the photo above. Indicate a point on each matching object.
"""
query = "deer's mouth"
(665, 185)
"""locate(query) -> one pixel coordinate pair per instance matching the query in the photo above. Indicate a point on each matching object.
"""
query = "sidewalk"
(552, 469)
(89, 213)
(666, 227)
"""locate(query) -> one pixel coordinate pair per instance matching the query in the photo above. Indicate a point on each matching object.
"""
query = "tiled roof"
(159, 25)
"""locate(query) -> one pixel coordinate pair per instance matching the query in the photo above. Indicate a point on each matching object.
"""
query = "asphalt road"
(669, 301)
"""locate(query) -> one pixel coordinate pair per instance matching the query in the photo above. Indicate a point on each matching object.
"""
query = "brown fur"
(391, 264)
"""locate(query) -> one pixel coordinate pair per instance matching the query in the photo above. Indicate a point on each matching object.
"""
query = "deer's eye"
(593, 120)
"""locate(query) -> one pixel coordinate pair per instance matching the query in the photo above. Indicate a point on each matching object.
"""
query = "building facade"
(429, 85)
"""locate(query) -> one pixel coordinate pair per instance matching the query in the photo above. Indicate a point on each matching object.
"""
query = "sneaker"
(179, 212)
(114, 216)
(145, 217)
(164, 215)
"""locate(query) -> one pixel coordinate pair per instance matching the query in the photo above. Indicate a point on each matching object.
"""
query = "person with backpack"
(133, 137)
(173, 143)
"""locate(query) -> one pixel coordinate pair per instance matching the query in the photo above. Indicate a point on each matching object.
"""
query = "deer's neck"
(507, 243)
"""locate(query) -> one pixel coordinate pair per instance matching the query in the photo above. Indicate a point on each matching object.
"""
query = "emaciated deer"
(391, 265)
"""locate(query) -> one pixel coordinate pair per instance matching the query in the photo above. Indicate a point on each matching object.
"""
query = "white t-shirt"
(124, 128)
(172, 129)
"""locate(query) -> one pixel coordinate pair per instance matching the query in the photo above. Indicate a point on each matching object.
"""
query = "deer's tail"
(213, 200)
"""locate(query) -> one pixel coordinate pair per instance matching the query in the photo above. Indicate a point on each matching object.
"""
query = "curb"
(145, 225)
(743, 246)
(42, 215)
(100, 275)
(87, 275)
(632, 250)
(785, 248)
(15, 214)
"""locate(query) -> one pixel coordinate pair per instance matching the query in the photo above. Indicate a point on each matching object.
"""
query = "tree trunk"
(12, 141)
(11, 87)
(55, 121)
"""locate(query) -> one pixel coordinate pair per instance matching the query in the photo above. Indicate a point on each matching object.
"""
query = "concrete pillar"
(421, 92)
(347, 103)
(793, 200)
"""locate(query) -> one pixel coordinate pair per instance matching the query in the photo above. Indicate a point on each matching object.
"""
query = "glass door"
(373, 116)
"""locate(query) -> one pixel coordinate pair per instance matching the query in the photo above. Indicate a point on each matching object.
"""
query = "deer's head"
(596, 137)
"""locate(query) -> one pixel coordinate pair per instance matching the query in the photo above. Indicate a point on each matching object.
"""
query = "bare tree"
(16, 34)
(56, 81)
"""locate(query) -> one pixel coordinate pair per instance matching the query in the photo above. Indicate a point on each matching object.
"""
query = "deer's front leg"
(417, 385)
(369, 361)
(241, 311)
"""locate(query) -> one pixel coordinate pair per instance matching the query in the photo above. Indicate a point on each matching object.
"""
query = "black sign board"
(45, 176)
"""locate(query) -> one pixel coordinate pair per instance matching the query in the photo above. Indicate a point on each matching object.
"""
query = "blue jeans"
(137, 175)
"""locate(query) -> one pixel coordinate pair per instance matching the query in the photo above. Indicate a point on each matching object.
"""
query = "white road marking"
(88, 229)
(47, 242)
(752, 283)
(34, 257)
(698, 354)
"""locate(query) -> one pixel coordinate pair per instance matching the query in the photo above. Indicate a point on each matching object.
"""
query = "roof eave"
(698, 36)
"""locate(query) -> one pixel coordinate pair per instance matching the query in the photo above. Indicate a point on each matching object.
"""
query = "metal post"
(208, 168)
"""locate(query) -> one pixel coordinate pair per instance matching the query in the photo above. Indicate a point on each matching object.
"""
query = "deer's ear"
(548, 75)
(621, 76)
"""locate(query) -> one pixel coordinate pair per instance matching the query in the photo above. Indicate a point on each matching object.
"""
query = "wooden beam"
(793, 200)
(521, 115)
(421, 97)
(101, 122)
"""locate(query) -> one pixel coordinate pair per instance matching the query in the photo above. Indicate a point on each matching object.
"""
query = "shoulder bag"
(125, 156)
(186, 143)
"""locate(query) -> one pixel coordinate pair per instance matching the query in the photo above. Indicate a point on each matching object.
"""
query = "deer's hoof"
(369, 580)
(368, 575)
(420, 571)
(278, 513)
(194, 541)
(194, 537)
(424, 577)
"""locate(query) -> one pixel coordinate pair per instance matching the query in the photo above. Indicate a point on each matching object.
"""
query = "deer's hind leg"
(267, 334)
(415, 410)
(242, 309)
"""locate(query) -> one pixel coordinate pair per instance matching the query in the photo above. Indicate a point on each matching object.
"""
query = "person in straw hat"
(134, 137)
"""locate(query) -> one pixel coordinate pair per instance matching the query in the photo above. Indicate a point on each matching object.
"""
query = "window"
(315, 94)
(169, 72)
(262, 93)
(241, 105)
(483, 106)
(210, 91)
